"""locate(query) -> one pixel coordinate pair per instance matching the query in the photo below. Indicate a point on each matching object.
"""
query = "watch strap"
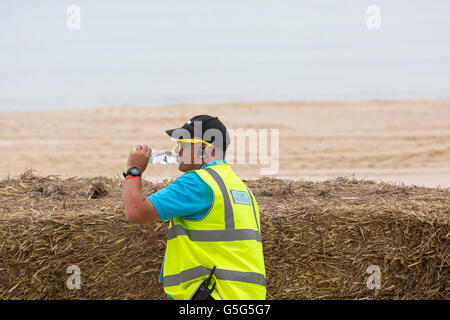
(132, 177)
(130, 173)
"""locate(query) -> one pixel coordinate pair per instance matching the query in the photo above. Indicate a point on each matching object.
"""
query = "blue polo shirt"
(188, 196)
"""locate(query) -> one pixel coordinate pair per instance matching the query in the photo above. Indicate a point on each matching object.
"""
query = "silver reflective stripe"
(253, 206)
(221, 274)
(250, 277)
(186, 275)
(229, 218)
(215, 289)
(214, 235)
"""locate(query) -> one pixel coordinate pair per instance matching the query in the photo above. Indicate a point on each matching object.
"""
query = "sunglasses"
(191, 141)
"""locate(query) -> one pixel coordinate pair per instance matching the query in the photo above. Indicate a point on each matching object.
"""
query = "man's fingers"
(140, 147)
(146, 149)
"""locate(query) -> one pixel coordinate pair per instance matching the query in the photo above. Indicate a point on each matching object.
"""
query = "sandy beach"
(404, 141)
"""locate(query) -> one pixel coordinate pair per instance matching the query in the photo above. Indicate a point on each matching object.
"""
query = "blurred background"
(153, 53)
(355, 87)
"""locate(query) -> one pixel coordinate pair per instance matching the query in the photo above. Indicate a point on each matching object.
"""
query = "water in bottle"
(163, 157)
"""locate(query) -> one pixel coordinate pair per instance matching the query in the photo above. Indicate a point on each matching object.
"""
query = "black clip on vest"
(203, 293)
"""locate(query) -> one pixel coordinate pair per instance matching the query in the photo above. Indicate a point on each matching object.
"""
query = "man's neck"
(208, 161)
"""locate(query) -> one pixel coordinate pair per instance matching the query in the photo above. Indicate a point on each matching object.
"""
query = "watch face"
(135, 171)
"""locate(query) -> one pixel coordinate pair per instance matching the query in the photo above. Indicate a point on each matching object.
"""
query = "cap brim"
(170, 131)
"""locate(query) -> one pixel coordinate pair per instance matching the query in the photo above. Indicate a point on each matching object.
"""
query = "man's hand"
(139, 157)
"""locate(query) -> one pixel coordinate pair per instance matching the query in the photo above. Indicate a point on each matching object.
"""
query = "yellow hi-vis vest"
(228, 237)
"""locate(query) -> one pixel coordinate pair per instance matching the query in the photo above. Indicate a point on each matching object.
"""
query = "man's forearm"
(132, 196)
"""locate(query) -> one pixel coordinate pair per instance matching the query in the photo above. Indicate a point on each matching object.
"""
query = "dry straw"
(319, 239)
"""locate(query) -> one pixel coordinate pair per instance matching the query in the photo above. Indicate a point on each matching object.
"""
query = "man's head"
(201, 139)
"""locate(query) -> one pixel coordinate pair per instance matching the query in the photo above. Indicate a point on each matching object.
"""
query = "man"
(214, 247)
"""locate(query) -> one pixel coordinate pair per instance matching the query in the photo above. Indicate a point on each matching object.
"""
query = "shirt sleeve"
(188, 196)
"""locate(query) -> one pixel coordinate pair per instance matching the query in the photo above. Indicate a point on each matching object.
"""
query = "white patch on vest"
(188, 122)
(240, 197)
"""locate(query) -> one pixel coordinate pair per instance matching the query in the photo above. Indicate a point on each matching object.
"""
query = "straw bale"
(319, 239)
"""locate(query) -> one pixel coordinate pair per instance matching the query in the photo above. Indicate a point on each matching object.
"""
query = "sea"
(74, 54)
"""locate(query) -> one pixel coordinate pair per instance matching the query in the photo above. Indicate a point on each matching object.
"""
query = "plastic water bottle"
(163, 157)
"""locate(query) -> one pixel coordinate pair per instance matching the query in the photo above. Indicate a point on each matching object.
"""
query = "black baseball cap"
(204, 127)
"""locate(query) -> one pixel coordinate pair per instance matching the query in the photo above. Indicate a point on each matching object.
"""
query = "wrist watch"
(133, 171)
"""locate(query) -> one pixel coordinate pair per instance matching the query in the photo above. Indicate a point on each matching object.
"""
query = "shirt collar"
(211, 163)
